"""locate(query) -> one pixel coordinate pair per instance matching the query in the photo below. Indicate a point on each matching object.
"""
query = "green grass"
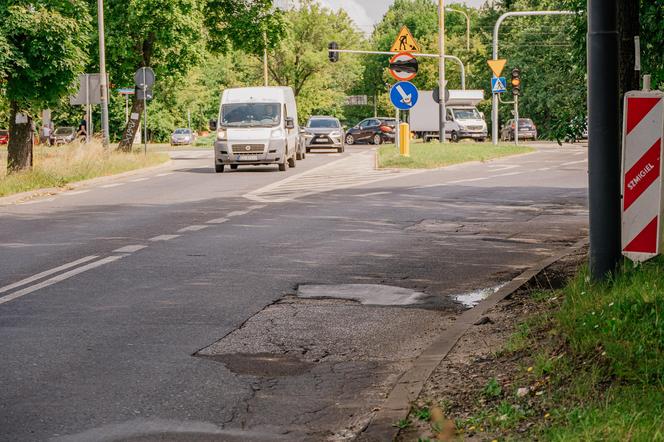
(597, 363)
(432, 155)
(59, 166)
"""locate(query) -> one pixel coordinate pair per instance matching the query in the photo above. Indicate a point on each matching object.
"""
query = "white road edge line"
(573, 162)
(470, 180)
(193, 228)
(47, 273)
(506, 174)
(374, 194)
(165, 174)
(75, 192)
(217, 221)
(59, 278)
(138, 180)
(163, 238)
(37, 201)
(107, 186)
(238, 213)
(130, 249)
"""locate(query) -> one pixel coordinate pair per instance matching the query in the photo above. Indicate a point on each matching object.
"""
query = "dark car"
(4, 136)
(527, 130)
(323, 132)
(372, 130)
(63, 135)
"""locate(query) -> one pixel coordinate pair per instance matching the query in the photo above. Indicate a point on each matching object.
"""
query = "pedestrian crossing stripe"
(498, 85)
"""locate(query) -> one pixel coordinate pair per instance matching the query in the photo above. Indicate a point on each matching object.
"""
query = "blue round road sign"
(404, 95)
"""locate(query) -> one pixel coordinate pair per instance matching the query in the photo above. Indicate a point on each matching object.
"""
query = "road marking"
(107, 186)
(46, 273)
(467, 181)
(163, 238)
(130, 249)
(75, 192)
(505, 174)
(374, 194)
(542, 169)
(165, 174)
(257, 206)
(38, 201)
(138, 180)
(238, 213)
(60, 278)
(217, 221)
(193, 228)
(499, 167)
(573, 162)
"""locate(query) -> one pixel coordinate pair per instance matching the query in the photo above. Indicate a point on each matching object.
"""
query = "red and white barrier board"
(642, 199)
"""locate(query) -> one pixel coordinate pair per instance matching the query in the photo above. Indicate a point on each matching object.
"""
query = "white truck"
(257, 125)
(463, 119)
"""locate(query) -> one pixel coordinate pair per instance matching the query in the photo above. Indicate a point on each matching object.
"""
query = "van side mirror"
(290, 123)
(213, 125)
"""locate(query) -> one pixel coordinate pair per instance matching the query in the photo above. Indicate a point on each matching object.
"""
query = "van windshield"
(467, 114)
(250, 114)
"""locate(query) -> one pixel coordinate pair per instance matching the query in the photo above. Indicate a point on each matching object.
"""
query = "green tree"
(43, 49)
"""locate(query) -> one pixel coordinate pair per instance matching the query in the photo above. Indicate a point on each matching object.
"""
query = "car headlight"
(335, 133)
(308, 135)
(277, 133)
(221, 135)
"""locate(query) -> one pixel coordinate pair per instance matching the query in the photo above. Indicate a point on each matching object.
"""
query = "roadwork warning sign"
(643, 129)
(405, 42)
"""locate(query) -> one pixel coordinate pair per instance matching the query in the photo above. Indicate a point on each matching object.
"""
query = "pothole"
(366, 294)
(471, 299)
(262, 364)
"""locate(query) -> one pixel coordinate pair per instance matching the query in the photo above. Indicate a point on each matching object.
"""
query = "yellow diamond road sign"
(497, 66)
(405, 42)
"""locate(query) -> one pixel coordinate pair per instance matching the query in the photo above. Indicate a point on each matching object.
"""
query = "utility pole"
(441, 70)
(102, 74)
(603, 137)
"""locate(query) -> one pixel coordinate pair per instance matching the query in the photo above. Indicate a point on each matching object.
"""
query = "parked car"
(4, 136)
(182, 136)
(323, 132)
(527, 130)
(63, 135)
(372, 130)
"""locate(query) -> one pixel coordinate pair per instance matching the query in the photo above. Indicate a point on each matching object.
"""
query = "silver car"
(322, 132)
(182, 136)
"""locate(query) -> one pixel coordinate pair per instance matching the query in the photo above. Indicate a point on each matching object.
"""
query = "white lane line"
(107, 186)
(505, 174)
(47, 273)
(37, 201)
(543, 169)
(579, 153)
(573, 162)
(59, 278)
(165, 174)
(257, 206)
(467, 181)
(217, 221)
(130, 249)
(499, 167)
(138, 180)
(75, 192)
(163, 238)
(374, 194)
(193, 228)
(238, 213)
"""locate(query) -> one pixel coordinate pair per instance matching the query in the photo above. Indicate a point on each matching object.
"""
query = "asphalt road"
(109, 291)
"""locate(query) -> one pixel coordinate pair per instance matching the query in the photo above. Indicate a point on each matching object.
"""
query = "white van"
(463, 119)
(257, 125)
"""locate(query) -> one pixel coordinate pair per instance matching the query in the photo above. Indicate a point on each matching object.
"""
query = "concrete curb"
(410, 384)
(36, 193)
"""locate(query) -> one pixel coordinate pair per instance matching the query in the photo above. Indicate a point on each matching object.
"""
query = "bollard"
(404, 139)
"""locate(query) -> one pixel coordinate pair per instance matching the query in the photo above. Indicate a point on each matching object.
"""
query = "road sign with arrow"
(405, 42)
(403, 66)
(404, 95)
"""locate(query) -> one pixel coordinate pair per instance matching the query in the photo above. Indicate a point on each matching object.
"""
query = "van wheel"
(219, 168)
(377, 139)
(298, 156)
(233, 166)
(481, 140)
(283, 167)
(454, 137)
(350, 140)
(340, 149)
(291, 161)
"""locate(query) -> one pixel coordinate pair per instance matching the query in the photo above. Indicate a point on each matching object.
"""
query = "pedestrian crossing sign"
(498, 85)
(405, 42)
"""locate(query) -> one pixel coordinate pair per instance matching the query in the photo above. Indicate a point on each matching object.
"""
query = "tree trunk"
(132, 126)
(19, 150)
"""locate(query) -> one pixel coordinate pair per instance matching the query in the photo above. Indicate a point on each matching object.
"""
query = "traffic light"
(516, 81)
(333, 56)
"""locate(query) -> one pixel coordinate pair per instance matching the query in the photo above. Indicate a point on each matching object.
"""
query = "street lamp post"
(467, 25)
(441, 70)
(102, 74)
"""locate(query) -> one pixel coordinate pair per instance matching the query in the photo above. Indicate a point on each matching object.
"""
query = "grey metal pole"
(441, 70)
(145, 114)
(102, 72)
(516, 120)
(397, 140)
(494, 103)
(603, 137)
(88, 112)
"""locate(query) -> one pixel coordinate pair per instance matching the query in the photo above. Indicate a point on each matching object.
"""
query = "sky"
(366, 13)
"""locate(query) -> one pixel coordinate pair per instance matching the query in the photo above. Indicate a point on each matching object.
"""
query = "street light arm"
(467, 25)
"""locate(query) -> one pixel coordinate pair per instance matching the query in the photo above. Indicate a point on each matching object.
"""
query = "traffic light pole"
(603, 138)
(496, 28)
(516, 120)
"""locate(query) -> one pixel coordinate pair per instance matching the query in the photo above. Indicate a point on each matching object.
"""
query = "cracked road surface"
(164, 306)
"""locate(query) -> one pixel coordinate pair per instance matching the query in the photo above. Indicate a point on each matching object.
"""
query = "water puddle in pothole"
(366, 294)
(471, 299)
